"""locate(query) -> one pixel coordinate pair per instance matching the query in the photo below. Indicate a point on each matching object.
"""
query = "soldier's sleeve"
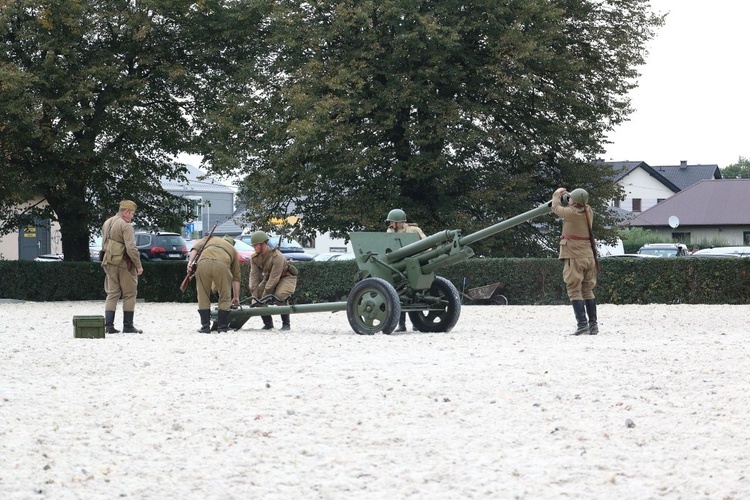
(255, 275)
(128, 238)
(236, 270)
(278, 263)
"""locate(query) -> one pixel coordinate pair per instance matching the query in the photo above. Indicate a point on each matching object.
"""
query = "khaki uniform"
(218, 264)
(579, 272)
(408, 228)
(270, 274)
(121, 261)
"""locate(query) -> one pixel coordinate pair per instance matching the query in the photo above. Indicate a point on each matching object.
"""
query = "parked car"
(161, 246)
(95, 248)
(697, 255)
(291, 248)
(244, 250)
(345, 256)
(326, 257)
(664, 249)
(49, 257)
(629, 256)
(740, 251)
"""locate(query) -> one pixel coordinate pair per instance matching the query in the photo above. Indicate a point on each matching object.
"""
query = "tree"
(96, 98)
(460, 113)
(739, 170)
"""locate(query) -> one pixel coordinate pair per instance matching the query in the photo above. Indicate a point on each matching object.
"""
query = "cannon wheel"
(373, 306)
(445, 319)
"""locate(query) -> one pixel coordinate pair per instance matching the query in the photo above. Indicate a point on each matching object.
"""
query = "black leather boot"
(591, 312)
(285, 326)
(205, 320)
(580, 311)
(127, 323)
(109, 322)
(222, 318)
(267, 322)
(401, 323)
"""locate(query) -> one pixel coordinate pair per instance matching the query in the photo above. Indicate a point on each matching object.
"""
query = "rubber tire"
(445, 319)
(499, 300)
(373, 306)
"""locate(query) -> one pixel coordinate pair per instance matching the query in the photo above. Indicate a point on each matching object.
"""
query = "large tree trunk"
(70, 207)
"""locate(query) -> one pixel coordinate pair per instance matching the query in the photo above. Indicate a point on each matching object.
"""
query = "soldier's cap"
(129, 205)
(228, 238)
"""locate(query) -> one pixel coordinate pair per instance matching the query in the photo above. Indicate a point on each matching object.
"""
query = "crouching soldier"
(397, 224)
(219, 267)
(271, 274)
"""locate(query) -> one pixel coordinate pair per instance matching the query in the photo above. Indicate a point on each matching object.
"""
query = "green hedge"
(525, 281)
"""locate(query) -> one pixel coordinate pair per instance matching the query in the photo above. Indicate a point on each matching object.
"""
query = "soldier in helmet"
(397, 224)
(271, 274)
(577, 251)
(219, 267)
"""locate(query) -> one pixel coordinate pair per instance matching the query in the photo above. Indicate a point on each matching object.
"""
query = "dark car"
(161, 246)
(291, 249)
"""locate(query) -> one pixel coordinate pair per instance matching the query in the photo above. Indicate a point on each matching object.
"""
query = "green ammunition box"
(88, 327)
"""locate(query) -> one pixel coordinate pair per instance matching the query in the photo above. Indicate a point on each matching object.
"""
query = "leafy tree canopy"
(96, 98)
(739, 170)
(461, 113)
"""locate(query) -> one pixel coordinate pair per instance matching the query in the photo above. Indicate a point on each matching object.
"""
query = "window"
(616, 203)
(681, 237)
(636, 204)
(746, 237)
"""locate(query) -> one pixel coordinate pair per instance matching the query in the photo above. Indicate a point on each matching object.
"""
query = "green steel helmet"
(396, 215)
(229, 239)
(579, 196)
(258, 237)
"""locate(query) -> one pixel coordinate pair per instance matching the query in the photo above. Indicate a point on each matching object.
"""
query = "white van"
(606, 250)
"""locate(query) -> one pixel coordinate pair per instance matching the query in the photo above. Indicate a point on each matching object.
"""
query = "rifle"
(194, 264)
(597, 266)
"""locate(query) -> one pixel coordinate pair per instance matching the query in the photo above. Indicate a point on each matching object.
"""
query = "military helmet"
(396, 215)
(579, 196)
(258, 237)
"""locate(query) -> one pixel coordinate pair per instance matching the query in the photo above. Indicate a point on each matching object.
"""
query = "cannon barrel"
(506, 224)
(442, 237)
(421, 245)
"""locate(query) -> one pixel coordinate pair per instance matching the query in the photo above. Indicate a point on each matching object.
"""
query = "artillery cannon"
(398, 274)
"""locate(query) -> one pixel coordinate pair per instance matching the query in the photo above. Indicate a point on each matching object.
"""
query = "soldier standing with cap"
(397, 224)
(271, 274)
(122, 266)
(577, 251)
(218, 265)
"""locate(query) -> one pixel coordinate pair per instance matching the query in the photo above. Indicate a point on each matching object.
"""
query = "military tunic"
(408, 228)
(219, 265)
(120, 263)
(270, 274)
(579, 271)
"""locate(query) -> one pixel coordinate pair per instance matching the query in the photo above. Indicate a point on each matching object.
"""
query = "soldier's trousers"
(119, 282)
(580, 277)
(217, 272)
(285, 288)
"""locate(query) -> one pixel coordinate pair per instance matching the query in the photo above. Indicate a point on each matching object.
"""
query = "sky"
(693, 99)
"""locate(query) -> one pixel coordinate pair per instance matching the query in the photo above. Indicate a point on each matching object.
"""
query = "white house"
(646, 186)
